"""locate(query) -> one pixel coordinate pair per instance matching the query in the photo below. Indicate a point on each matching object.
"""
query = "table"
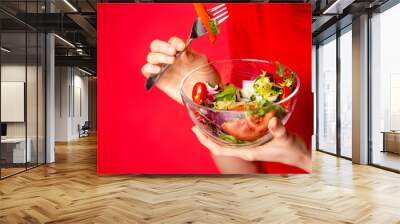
(15, 148)
(391, 141)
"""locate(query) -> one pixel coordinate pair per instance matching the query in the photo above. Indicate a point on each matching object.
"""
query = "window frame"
(337, 35)
(29, 29)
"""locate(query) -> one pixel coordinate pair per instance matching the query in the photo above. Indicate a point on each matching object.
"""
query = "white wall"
(13, 72)
(70, 83)
(62, 82)
(80, 84)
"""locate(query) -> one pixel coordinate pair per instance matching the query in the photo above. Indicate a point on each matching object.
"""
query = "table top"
(391, 132)
(13, 140)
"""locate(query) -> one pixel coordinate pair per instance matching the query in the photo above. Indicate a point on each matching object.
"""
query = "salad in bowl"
(235, 110)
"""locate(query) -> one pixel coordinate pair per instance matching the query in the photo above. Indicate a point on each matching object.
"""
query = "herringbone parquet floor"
(70, 191)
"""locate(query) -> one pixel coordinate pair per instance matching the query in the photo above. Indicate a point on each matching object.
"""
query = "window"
(346, 92)
(326, 96)
(22, 79)
(385, 89)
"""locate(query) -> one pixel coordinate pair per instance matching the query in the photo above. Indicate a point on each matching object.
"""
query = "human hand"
(285, 147)
(162, 52)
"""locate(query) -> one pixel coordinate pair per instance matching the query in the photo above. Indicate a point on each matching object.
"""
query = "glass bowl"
(213, 122)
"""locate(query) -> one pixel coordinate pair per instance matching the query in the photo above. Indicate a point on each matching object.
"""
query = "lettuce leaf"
(230, 138)
(280, 69)
(228, 94)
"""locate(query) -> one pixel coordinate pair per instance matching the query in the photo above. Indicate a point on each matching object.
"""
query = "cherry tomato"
(199, 93)
(277, 79)
(286, 93)
(287, 73)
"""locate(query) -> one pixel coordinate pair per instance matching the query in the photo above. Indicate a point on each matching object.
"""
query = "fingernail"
(170, 60)
(156, 69)
(171, 50)
(181, 45)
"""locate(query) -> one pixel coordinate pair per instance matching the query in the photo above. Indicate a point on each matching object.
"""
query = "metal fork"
(219, 13)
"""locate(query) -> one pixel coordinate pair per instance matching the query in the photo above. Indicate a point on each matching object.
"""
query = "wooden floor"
(70, 191)
(9, 171)
(5, 172)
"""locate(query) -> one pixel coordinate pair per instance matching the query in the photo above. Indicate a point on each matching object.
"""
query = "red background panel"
(142, 132)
